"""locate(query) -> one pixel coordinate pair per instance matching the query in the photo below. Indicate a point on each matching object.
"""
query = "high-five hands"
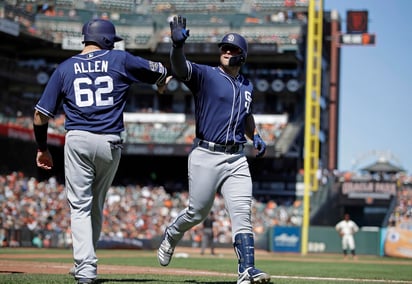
(178, 31)
(161, 88)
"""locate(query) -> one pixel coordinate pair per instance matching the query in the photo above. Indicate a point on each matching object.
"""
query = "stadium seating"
(209, 20)
(165, 133)
(186, 7)
(131, 211)
(275, 5)
(161, 132)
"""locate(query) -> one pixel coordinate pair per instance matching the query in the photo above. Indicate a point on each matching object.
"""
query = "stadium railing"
(162, 128)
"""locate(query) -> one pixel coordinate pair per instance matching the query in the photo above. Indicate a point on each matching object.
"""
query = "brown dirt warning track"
(18, 262)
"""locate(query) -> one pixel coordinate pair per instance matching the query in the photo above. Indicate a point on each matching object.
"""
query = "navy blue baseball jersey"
(222, 103)
(223, 114)
(92, 88)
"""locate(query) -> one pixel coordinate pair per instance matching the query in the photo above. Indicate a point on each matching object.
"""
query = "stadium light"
(278, 85)
(173, 85)
(292, 85)
(42, 78)
(262, 85)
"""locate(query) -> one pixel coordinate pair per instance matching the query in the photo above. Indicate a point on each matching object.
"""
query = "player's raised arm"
(179, 34)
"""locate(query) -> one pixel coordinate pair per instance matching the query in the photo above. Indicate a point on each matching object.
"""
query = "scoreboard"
(357, 39)
(357, 29)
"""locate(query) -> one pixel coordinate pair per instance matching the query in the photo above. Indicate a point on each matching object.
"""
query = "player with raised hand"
(223, 112)
(92, 87)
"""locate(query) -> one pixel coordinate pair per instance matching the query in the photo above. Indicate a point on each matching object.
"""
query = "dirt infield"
(14, 263)
(15, 266)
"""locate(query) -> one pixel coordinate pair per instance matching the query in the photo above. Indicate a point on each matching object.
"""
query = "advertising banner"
(398, 240)
(286, 239)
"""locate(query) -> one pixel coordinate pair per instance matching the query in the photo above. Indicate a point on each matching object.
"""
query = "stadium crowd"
(36, 213)
(403, 210)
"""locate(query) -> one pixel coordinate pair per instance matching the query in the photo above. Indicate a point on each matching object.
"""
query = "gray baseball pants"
(91, 163)
(208, 173)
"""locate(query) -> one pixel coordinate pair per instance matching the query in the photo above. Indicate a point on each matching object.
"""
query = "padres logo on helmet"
(230, 38)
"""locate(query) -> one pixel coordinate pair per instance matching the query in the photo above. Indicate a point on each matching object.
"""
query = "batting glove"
(178, 31)
(259, 144)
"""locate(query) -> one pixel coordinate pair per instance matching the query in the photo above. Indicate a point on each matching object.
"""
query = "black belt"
(231, 149)
(116, 144)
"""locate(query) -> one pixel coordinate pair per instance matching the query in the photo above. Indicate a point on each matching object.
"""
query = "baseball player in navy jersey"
(92, 88)
(223, 111)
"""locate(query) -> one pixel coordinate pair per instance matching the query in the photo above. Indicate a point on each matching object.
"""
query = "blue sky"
(376, 87)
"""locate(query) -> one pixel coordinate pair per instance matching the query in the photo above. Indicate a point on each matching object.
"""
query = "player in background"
(217, 163)
(207, 234)
(92, 87)
(347, 229)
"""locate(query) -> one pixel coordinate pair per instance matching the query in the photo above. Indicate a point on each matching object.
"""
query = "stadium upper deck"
(144, 24)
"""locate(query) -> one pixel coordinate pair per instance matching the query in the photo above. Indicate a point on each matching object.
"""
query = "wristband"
(177, 45)
(40, 134)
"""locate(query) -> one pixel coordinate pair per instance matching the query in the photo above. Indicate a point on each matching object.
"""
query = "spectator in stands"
(37, 241)
(347, 229)
(48, 10)
(93, 88)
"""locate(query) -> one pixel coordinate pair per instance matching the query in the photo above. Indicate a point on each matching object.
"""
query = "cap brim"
(117, 38)
(226, 43)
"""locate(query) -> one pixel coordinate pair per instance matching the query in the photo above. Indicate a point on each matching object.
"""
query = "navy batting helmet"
(100, 32)
(238, 41)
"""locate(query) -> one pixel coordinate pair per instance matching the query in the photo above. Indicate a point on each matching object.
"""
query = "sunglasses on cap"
(231, 48)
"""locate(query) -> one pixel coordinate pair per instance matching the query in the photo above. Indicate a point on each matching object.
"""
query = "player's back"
(94, 89)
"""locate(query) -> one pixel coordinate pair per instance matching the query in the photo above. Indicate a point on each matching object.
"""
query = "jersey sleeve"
(194, 76)
(142, 70)
(50, 99)
(338, 226)
(355, 227)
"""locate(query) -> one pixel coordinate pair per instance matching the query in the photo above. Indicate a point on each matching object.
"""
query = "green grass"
(320, 268)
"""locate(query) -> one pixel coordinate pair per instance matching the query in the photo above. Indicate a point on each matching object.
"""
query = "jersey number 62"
(86, 97)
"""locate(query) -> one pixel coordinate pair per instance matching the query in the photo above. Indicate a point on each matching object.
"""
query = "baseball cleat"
(72, 271)
(253, 276)
(165, 251)
(86, 281)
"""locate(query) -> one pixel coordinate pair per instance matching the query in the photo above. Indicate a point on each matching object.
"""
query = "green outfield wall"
(324, 240)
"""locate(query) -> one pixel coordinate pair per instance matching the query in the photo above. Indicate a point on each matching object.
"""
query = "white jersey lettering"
(89, 67)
